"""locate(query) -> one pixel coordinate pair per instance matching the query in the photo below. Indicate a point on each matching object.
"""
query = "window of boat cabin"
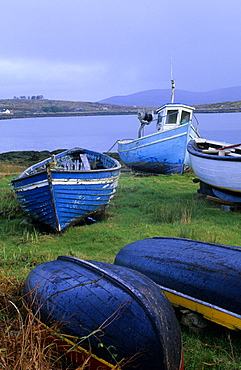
(185, 117)
(171, 117)
(159, 123)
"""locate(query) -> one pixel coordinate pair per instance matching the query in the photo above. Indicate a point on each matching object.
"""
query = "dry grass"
(9, 168)
(23, 341)
(26, 343)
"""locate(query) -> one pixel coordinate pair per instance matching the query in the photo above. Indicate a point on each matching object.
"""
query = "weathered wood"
(85, 162)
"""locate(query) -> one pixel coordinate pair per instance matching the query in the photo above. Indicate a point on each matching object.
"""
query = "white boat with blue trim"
(164, 151)
(64, 189)
(218, 167)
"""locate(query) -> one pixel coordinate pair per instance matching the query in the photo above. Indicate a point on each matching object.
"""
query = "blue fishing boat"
(164, 151)
(116, 312)
(202, 277)
(64, 189)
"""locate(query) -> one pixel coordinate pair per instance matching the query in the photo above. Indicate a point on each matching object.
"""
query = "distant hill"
(158, 97)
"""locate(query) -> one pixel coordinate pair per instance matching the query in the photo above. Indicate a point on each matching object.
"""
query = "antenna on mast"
(173, 84)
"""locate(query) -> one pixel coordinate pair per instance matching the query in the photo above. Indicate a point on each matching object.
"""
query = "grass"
(144, 207)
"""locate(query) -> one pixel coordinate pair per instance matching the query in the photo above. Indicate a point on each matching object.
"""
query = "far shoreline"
(108, 113)
(66, 114)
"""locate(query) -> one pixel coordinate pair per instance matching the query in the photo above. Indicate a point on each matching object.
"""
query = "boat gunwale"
(160, 132)
(194, 150)
(34, 168)
(152, 143)
(196, 241)
(63, 171)
(199, 301)
(228, 191)
(216, 314)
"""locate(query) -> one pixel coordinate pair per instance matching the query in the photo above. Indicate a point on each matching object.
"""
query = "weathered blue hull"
(163, 152)
(107, 306)
(60, 197)
(204, 273)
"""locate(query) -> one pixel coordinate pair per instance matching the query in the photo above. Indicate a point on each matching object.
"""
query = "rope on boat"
(112, 146)
(209, 133)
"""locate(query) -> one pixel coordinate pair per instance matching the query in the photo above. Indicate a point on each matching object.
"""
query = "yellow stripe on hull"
(210, 312)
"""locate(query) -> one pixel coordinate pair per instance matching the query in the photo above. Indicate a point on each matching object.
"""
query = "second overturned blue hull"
(204, 277)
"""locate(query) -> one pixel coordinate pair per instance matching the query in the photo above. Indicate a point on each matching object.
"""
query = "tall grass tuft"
(182, 211)
(8, 205)
(23, 344)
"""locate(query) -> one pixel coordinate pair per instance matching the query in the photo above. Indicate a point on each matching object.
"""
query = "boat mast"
(173, 85)
(173, 90)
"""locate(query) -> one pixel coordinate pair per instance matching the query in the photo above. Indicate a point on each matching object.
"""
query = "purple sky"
(92, 49)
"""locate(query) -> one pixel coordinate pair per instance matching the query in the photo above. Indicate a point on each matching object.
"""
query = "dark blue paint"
(205, 271)
(132, 312)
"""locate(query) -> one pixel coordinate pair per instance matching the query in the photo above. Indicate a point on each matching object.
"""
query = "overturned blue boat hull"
(204, 277)
(112, 308)
(63, 194)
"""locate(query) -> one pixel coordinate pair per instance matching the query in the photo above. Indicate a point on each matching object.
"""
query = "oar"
(230, 146)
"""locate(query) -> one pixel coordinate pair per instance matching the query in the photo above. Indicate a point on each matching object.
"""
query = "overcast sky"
(90, 50)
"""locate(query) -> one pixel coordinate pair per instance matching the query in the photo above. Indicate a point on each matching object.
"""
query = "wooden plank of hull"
(75, 201)
(36, 202)
(205, 276)
(68, 200)
(223, 175)
(108, 304)
(162, 152)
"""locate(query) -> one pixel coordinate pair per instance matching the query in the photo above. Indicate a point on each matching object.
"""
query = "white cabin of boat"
(167, 117)
(172, 115)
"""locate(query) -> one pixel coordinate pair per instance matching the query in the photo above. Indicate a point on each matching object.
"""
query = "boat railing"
(80, 162)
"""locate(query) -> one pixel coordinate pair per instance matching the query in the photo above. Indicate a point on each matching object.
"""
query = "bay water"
(100, 133)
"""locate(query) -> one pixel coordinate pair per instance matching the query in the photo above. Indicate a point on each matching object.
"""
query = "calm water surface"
(101, 132)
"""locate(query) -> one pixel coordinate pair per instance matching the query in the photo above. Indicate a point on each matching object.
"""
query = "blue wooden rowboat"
(218, 167)
(107, 306)
(164, 151)
(203, 277)
(63, 189)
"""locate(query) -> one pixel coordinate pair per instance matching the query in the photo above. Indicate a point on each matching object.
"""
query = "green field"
(144, 207)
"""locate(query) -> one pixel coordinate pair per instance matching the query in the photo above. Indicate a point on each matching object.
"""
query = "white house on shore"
(5, 111)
